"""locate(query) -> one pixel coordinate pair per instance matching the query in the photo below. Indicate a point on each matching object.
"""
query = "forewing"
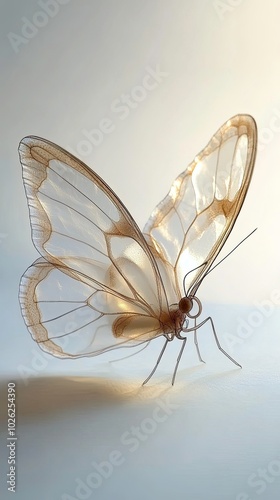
(191, 224)
(83, 231)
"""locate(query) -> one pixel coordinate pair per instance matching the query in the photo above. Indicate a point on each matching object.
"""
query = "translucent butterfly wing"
(191, 224)
(97, 270)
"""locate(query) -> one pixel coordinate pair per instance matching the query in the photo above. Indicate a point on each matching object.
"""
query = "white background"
(218, 438)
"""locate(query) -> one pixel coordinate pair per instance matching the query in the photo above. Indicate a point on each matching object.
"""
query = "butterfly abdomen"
(141, 327)
(136, 327)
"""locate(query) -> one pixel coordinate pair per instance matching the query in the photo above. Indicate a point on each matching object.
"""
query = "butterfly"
(100, 282)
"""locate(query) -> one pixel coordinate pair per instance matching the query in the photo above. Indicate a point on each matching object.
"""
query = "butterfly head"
(186, 305)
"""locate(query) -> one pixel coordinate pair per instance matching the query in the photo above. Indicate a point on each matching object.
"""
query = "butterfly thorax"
(173, 321)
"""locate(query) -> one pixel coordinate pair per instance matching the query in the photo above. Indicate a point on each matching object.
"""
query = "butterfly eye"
(185, 305)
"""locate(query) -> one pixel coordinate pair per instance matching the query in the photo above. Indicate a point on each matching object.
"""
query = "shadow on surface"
(46, 396)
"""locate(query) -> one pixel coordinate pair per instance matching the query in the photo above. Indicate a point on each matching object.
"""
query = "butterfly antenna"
(218, 263)
(192, 270)
(242, 241)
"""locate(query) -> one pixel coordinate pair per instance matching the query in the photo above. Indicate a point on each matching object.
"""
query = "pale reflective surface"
(219, 425)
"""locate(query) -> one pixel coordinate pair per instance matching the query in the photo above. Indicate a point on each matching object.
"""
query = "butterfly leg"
(196, 343)
(218, 343)
(196, 327)
(178, 359)
(157, 363)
